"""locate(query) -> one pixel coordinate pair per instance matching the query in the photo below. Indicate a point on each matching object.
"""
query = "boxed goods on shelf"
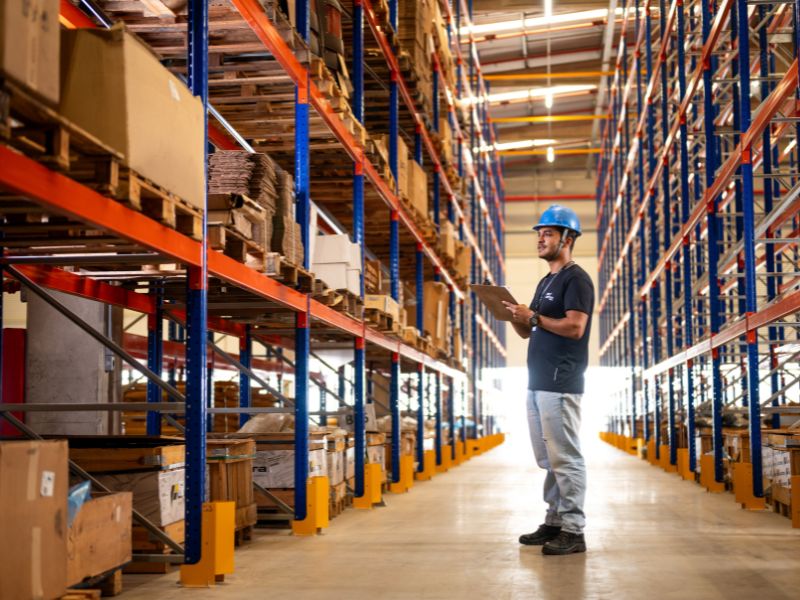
(436, 298)
(33, 519)
(158, 495)
(114, 87)
(99, 537)
(336, 449)
(463, 260)
(402, 162)
(30, 46)
(337, 262)
(447, 238)
(383, 303)
(418, 189)
(446, 137)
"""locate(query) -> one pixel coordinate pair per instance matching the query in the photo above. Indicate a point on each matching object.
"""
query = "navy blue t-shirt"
(557, 363)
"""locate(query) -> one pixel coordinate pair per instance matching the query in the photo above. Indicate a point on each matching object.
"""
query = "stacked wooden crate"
(135, 422)
(230, 479)
(153, 469)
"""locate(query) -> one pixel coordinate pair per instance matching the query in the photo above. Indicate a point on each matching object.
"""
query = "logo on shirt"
(549, 296)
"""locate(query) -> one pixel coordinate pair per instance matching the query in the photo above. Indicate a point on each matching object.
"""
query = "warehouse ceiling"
(519, 45)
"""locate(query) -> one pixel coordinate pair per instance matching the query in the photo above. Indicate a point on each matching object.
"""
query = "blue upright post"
(196, 312)
(302, 322)
(420, 417)
(753, 404)
(713, 251)
(394, 409)
(358, 238)
(438, 398)
(686, 261)
(246, 358)
(667, 222)
(155, 358)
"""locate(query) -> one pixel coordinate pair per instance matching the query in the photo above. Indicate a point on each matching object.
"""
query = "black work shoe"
(545, 533)
(565, 543)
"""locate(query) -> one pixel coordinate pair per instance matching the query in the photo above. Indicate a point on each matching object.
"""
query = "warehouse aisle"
(649, 535)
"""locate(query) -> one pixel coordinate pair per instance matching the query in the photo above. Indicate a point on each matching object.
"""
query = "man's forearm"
(566, 327)
(523, 331)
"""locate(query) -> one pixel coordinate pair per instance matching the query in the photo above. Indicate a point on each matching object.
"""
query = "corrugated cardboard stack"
(437, 318)
(233, 178)
(286, 236)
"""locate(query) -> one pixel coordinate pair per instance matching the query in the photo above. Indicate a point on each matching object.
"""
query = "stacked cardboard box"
(384, 303)
(415, 34)
(152, 469)
(337, 262)
(463, 259)
(437, 321)
(446, 136)
(33, 519)
(447, 239)
(102, 92)
(100, 536)
(30, 47)
(418, 188)
(402, 162)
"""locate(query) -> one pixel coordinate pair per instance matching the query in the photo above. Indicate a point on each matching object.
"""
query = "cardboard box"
(463, 260)
(275, 468)
(350, 463)
(336, 467)
(435, 298)
(115, 88)
(418, 187)
(383, 303)
(376, 455)
(402, 162)
(30, 45)
(158, 495)
(99, 539)
(447, 236)
(33, 519)
(329, 249)
(339, 277)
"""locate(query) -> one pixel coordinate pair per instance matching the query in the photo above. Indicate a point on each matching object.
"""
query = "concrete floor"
(650, 535)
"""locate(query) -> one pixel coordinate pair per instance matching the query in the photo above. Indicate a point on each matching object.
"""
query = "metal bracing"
(697, 195)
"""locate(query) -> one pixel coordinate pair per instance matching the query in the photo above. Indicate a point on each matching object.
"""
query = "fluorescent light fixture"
(516, 145)
(538, 22)
(551, 154)
(548, 100)
(533, 93)
(548, 9)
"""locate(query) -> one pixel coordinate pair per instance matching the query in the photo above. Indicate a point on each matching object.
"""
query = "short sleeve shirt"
(557, 363)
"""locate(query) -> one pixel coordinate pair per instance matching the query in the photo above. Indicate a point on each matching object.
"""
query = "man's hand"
(519, 312)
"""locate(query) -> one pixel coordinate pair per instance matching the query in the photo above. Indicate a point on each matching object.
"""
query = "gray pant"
(554, 420)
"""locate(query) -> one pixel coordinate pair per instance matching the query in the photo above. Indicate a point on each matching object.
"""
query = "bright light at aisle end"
(551, 154)
(534, 93)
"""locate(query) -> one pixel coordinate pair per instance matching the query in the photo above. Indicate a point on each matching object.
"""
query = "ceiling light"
(548, 9)
(551, 154)
(548, 100)
(534, 22)
(532, 93)
(516, 145)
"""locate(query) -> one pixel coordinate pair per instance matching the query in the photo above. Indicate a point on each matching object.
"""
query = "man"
(557, 322)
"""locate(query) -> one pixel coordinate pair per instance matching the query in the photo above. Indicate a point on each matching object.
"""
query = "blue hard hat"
(559, 216)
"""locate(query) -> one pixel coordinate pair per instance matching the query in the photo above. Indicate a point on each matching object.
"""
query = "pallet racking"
(321, 144)
(698, 201)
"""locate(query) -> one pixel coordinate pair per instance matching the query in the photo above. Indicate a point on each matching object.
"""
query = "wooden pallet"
(32, 127)
(382, 321)
(350, 304)
(82, 595)
(243, 535)
(292, 275)
(108, 584)
(103, 454)
(235, 245)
